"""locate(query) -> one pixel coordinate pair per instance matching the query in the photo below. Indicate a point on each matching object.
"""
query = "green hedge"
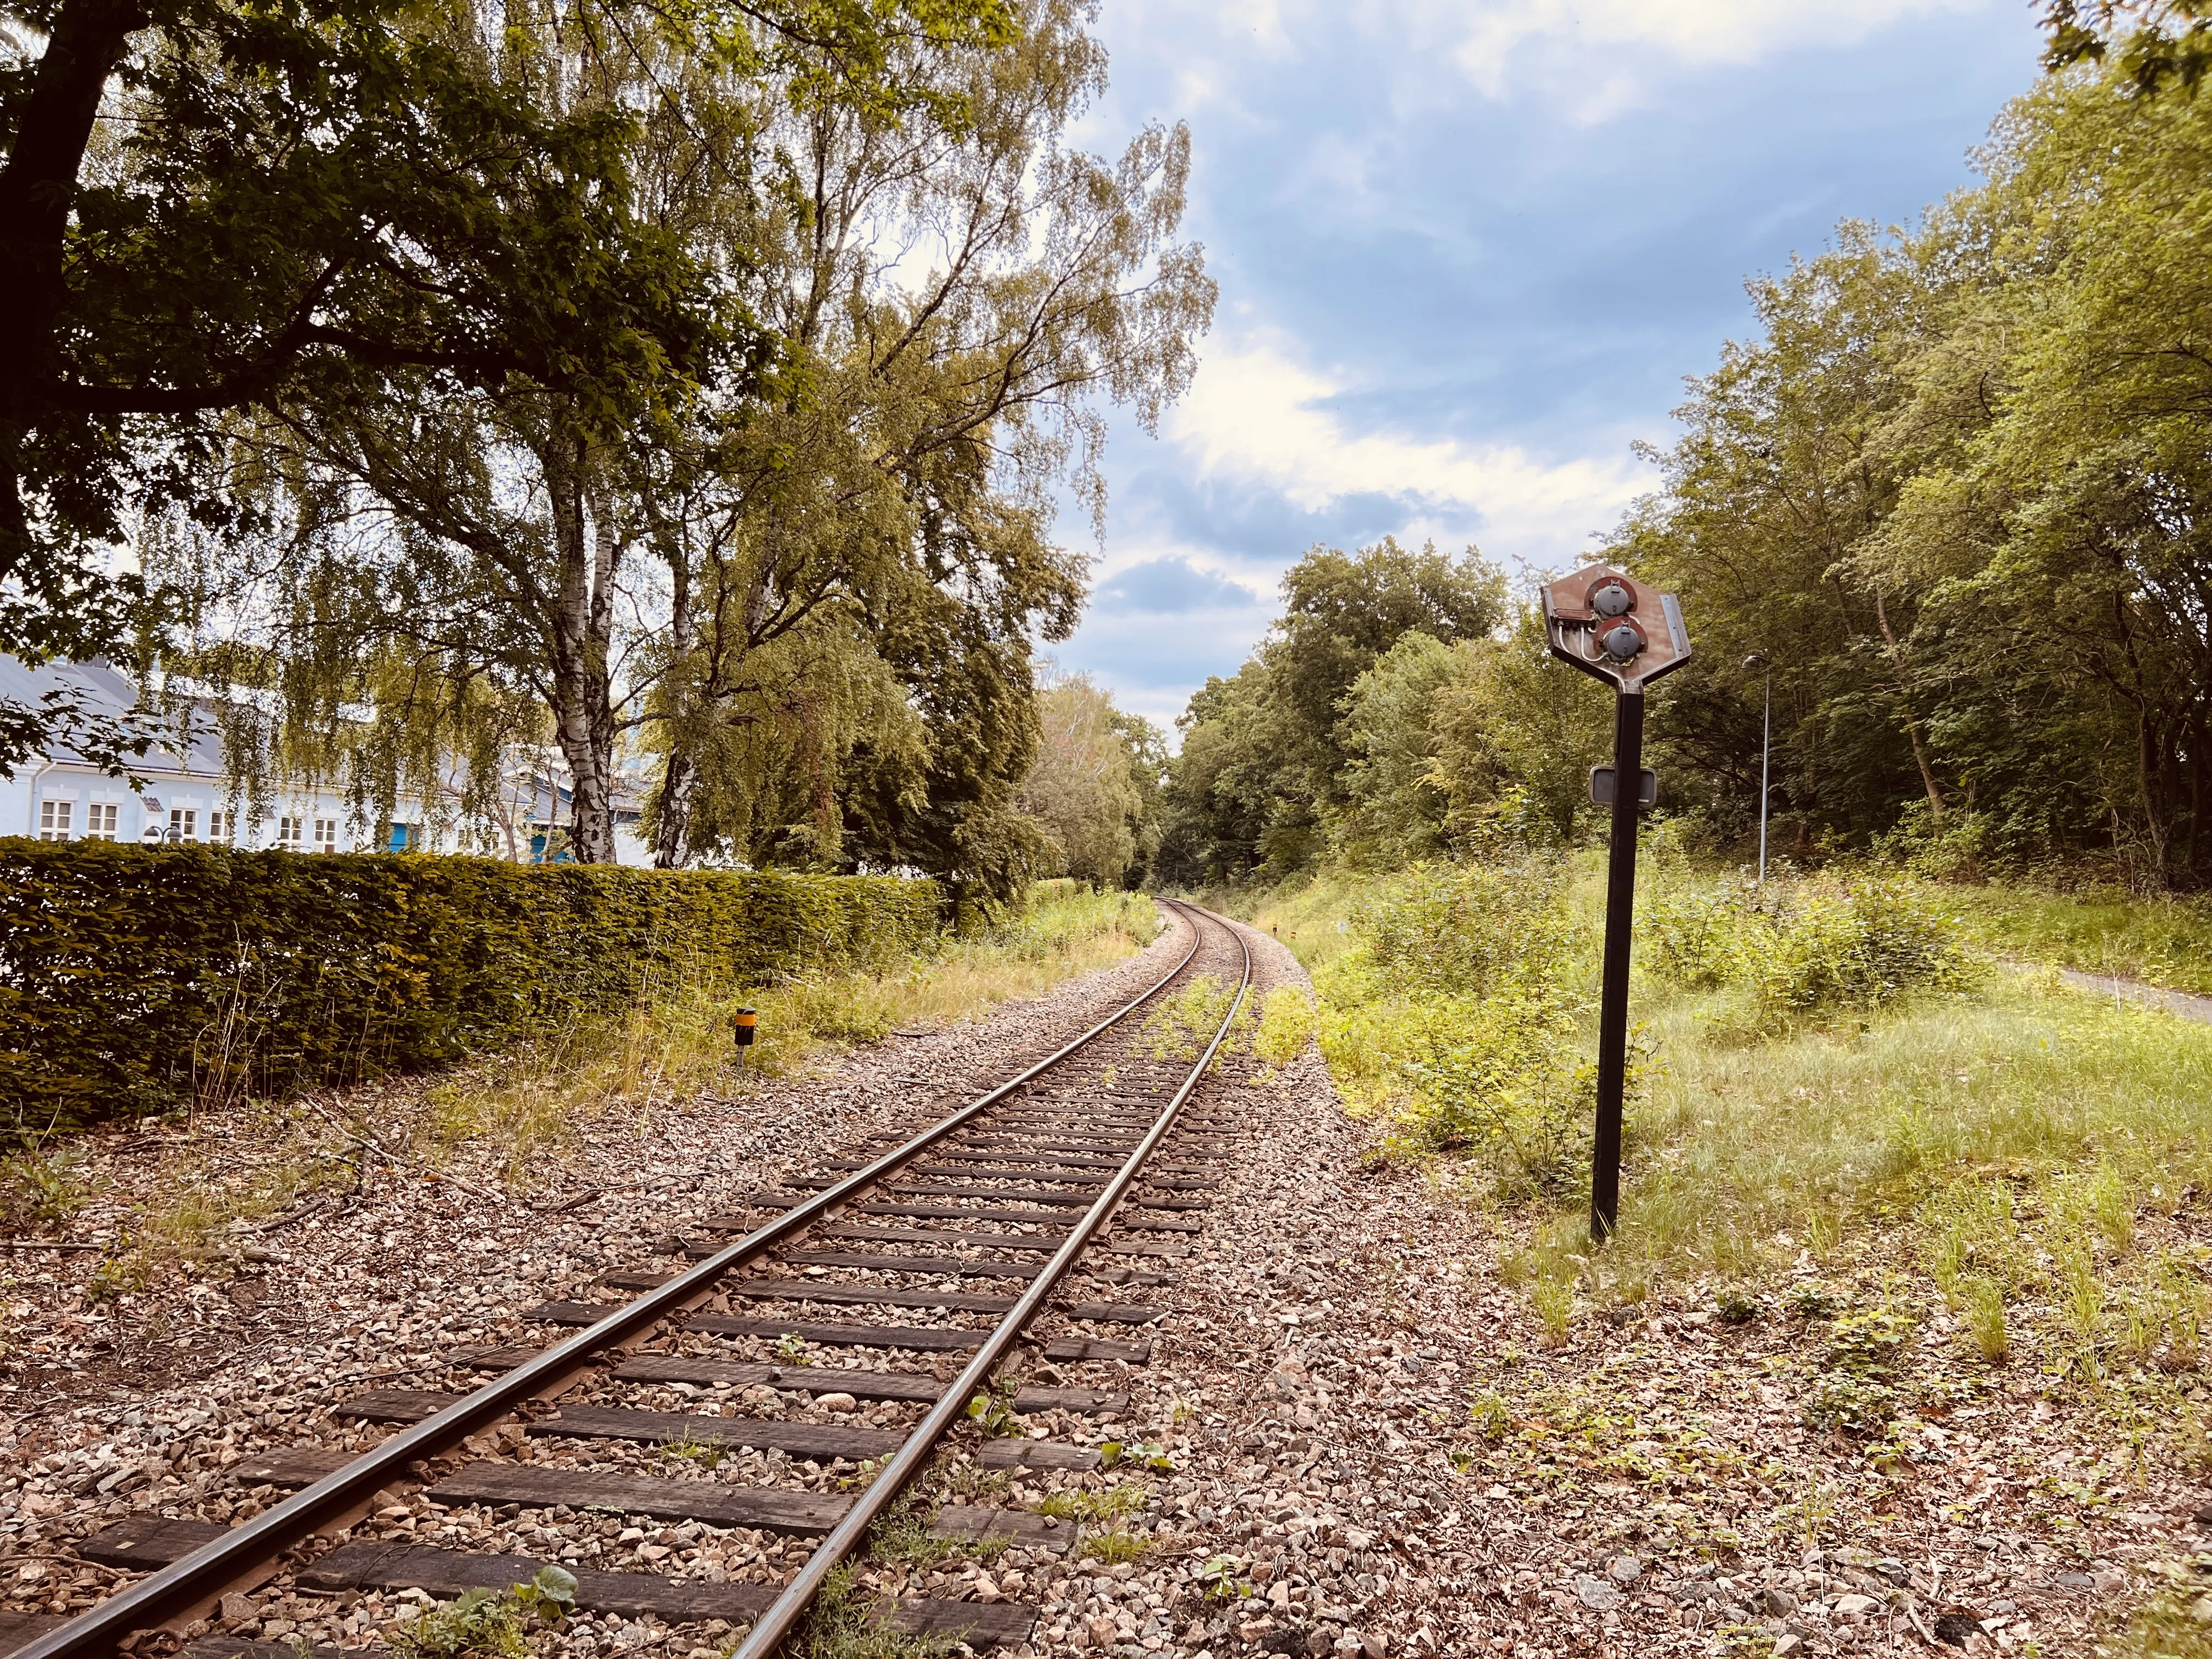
(134, 977)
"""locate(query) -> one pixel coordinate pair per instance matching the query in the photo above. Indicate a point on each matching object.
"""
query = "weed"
(1117, 1545)
(708, 1452)
(122, 1272)
(1809, 1514)
(845, 1623)
(1285, 1026)
(1868, 1340)
(549, 1593)
(1492, 1417)
(1110, 1503)
(1554, 1300)
(1811, 1300)
(41, 1188)
(479, 1624)
(1985, 1318)
(2174, 1624)
(1222, 1577)
(1181, 1026)
(1853, 1404)
(793, 1350)
(2111, 1207)
(1736, 1305)
(1137, 1454)
(993, 1413)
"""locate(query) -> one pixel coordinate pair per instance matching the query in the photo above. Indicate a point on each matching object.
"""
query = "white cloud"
(1734, 32)
(1593, 58)
(1256, 415)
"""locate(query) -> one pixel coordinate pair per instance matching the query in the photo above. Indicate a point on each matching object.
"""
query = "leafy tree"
(808, 573)
(1084, 786)
(1262, 753)
(209, 207)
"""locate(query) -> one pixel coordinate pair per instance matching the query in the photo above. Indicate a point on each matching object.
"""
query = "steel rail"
(768, 1635)
(198, 1579)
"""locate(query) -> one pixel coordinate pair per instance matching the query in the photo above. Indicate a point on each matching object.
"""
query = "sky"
(1468, 253)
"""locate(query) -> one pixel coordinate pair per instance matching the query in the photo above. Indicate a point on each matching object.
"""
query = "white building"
(187, 795)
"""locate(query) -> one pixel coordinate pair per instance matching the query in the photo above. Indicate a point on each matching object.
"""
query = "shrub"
(1859, 948)
(1459, 1005)
(1699, 940)
(1468, 929)
(134, 977)
(1804, 947)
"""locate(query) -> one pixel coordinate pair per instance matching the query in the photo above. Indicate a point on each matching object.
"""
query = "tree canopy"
(682, 397)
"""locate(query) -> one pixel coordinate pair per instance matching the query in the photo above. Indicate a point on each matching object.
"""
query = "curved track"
(967, 1234)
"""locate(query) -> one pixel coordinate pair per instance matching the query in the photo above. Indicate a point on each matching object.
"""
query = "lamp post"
(1766, 748)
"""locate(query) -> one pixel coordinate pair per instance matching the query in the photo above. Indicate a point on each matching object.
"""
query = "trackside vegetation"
(133, 978)
(1829, 1084)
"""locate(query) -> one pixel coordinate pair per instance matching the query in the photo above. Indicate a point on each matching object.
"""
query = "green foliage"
(1867, 1341)
(549, 1593)
(1136, 1455)
(1804, 947)
(992, 1411)
(478, 1625)
(1950, 493)
(1112, 1502)
(136, 977)
(2160, 941)
(1090, 786)
(1182, 1024)
(1264, 752)
(1286, 1025)
(846, 1622)
(40, 1189)
(1851, 1403)
(1459, 1012)
(1985, 1306)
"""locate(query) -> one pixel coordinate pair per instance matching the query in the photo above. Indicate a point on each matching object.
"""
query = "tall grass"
(674, 1041)
(2158, 941)
(1828, 1077)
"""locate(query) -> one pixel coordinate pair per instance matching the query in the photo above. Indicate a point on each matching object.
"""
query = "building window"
(54, 820)
(99, 821)
(290, 832)
(326, 834)
(184, 820)
(222, 826)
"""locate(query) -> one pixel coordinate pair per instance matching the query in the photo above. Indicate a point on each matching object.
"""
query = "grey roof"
(104, 691)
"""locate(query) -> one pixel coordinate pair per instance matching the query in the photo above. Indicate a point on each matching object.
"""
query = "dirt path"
(2127, 990)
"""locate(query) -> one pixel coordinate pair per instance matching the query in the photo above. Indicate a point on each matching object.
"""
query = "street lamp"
(1766, 748)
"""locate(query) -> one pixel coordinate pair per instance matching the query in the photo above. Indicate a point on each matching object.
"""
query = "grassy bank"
(2165, 942)
(1931, 1192)
(2013, 1157)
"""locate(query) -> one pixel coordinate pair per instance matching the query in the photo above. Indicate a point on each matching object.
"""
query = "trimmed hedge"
(134, 977)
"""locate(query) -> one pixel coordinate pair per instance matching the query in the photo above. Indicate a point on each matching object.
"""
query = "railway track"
(775, 1398)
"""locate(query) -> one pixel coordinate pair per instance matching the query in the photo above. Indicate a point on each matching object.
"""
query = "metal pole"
(1766, 748)
(1612, 1004)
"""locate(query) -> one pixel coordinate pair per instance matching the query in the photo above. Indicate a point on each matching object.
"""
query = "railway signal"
(1618, 630)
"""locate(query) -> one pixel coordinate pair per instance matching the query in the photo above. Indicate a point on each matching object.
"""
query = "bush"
(1697, 940)
(1805, 947)
(1468, 929)
(1459, 1004)
(1862, 948)
(132, 978)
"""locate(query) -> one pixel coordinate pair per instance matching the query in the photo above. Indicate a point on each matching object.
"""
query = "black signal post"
(1627, 636)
